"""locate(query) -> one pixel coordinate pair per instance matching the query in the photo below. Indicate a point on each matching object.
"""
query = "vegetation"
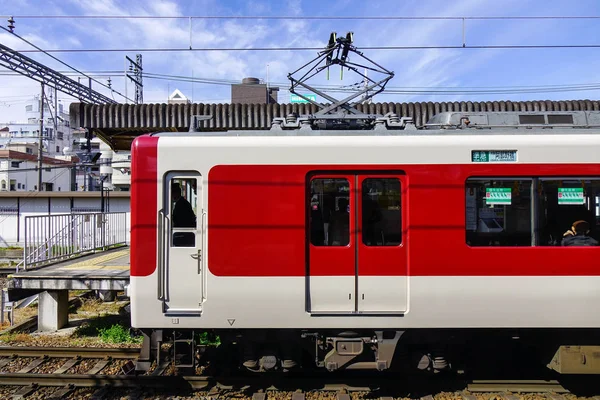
(209, 339)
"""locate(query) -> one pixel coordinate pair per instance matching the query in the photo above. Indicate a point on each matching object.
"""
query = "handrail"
(58, 237)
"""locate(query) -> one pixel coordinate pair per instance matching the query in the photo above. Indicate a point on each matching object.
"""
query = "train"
(339, 248)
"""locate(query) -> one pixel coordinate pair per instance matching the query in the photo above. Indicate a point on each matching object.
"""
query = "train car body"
(304, 233)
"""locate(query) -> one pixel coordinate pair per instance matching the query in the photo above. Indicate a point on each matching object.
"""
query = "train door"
(182, 230)
(357, 253)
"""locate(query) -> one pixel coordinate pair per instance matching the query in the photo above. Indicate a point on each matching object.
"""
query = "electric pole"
(41, 141)
(136, 68)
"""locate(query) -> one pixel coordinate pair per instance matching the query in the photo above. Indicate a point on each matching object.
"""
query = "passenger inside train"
(508, 212)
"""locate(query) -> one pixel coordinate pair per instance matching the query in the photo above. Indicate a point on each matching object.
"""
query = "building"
(18, 172)
(251, 91)
(178, 98)
(57, 135)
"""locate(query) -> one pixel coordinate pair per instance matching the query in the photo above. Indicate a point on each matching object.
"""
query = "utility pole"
(41, 142)
(137, 78)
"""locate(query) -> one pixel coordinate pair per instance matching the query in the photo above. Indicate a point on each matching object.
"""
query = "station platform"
(107, 272)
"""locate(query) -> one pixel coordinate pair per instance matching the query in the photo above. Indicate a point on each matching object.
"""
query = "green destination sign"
(570, 196)
(294, 98)
(494, 156)
(501, 196)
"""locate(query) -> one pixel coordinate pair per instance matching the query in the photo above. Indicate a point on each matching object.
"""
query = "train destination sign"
(571, 196)
(499, 196)
(494, 156)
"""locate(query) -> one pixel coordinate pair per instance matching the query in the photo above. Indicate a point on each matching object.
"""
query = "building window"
(15, 164)
(3, 184)
(47, 169)
(537, 211)
(498, 212)
(13, 184)
(28, 150)
(28, 108)
(58, 149)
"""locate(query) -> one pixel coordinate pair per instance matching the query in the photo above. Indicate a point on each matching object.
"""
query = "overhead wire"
(309, 17)
(266, 49)
(38, 49)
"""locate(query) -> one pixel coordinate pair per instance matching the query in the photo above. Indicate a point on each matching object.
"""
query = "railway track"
(27, 370)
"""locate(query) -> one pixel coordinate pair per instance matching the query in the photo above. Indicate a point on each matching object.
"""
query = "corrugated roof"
(119, 124)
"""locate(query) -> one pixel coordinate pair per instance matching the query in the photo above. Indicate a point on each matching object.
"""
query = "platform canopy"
(119, 124)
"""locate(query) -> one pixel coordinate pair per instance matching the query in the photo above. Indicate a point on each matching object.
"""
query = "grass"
(209, 339)
(109, 328)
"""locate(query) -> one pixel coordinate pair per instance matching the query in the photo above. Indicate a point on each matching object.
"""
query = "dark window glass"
(183, 202)
(498, 212)
(565, 203)
(381, 212)
(184, 239)
(560, 119)
(531, 119)
(329, 212)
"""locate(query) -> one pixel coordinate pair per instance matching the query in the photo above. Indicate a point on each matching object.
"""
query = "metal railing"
(51, 238)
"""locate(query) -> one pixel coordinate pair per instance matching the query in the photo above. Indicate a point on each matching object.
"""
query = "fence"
(51, 238)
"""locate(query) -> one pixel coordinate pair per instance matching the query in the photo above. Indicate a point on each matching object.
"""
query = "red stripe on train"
(144, 208)
(257, 219)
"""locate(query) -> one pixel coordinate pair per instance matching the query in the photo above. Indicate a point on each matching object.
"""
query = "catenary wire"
(208, 49)
(308, 17)
(62, 62)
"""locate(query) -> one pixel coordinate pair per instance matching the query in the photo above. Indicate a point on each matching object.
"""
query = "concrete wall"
(13, 211)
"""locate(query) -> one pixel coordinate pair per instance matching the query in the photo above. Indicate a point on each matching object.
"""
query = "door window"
(184, 201)
(381, 212)
(330, 212)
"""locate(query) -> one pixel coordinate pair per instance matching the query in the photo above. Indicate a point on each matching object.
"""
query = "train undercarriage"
(409, 351)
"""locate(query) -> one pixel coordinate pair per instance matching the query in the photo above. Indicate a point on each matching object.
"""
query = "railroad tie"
(100, 365)
(61, 393)
(100, 393)
(160, 368)
(428, 397)
(24, 392)
(468, 397)
(343, 396)
(32, 365)
(507, 396)
(4, 362)
(67, 366)
(554, 396)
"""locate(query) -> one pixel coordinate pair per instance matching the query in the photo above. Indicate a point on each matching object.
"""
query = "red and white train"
(341, 246)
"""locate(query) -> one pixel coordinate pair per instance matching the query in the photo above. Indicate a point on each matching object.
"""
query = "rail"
(51, 238)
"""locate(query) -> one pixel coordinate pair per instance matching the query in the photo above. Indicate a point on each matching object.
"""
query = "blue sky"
(434, 68)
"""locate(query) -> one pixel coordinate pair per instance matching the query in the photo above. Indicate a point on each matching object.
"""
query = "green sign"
(294, 98)
(494, 156)
(500, 196)
(570, 196)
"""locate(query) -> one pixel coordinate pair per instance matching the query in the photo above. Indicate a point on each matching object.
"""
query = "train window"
(329, 212)
(183, 211)
(381, 212)
(564, 201)
(498, 212)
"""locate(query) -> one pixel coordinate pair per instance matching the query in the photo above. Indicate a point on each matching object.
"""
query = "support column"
(53, 312)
